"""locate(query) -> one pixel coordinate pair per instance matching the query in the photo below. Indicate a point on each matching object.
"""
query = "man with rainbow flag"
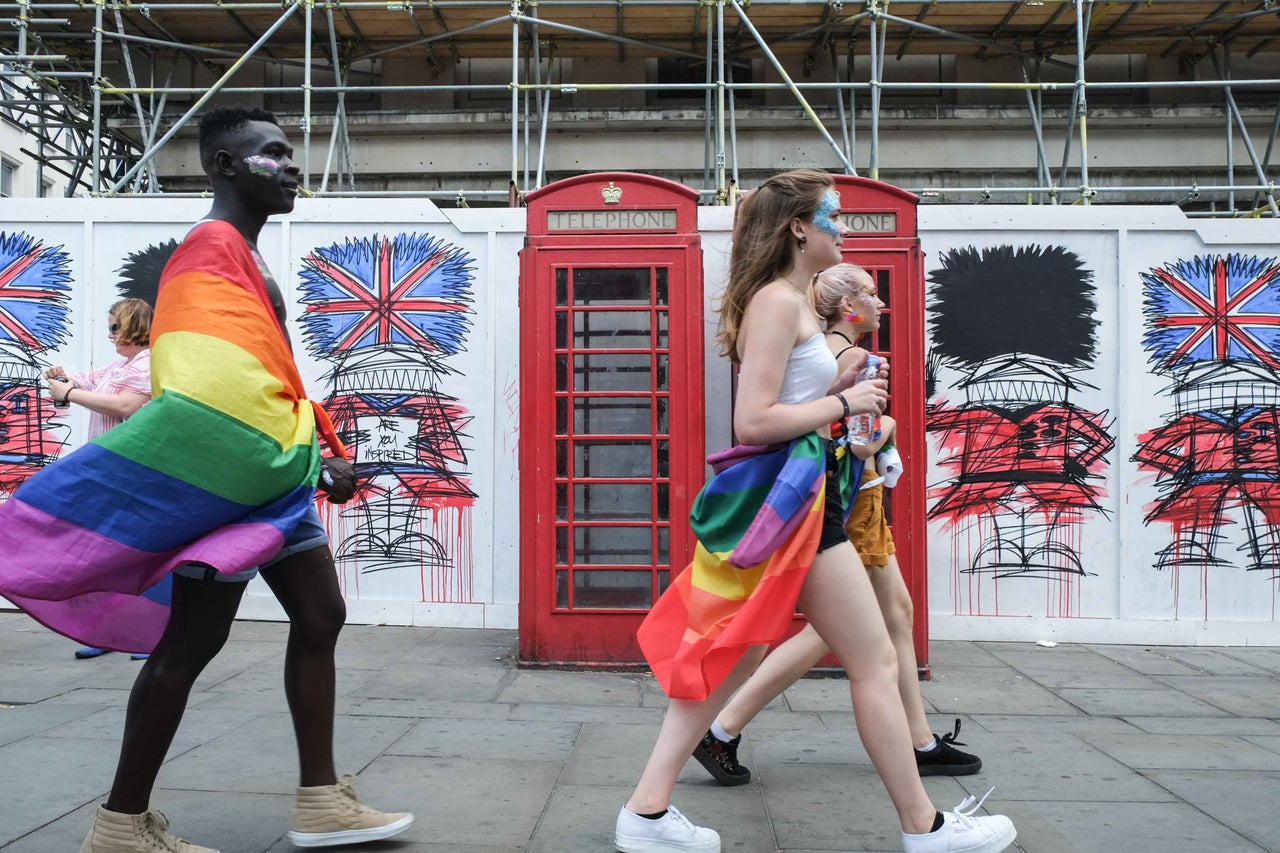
(212, 482)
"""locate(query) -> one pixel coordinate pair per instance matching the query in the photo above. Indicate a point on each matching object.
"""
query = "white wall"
(1122, 597)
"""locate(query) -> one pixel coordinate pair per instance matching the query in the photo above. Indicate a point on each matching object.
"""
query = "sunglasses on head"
(113, 328)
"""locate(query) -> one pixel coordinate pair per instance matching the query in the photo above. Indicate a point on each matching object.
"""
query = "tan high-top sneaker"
(329, 815)
(114, 832)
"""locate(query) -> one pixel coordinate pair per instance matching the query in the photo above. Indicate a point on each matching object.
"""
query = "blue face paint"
(822, 217)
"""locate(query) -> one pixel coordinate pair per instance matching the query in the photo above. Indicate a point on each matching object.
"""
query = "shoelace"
(157, 827)
(950, 739)
(679, 818)
(965, 810)
(350, 799)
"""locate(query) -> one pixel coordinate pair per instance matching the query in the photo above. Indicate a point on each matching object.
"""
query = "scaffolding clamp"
(462, 198)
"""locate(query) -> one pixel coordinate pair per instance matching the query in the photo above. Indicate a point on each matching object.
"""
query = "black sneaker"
(721, 759)
(945, 760)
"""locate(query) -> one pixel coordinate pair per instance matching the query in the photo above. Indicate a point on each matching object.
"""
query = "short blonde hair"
(134, 317)
(833, 284)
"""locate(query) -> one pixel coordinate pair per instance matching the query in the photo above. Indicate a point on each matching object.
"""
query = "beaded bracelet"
(843, 402)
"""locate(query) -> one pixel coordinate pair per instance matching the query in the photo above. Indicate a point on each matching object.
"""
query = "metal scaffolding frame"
(102, 129)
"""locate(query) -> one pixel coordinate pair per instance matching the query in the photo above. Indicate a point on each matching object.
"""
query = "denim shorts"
(307, 535)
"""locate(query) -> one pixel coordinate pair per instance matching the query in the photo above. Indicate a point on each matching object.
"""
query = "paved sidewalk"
(1091, 748)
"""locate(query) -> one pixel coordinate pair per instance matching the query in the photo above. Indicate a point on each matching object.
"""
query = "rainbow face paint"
(262, 165)
(822, 216)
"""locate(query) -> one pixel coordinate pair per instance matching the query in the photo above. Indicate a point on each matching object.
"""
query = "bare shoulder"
(778, 301)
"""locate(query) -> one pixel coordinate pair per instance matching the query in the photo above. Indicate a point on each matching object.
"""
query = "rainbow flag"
(758, 522)
(218, 468)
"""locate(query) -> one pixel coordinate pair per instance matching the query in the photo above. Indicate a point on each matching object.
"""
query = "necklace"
(841, 334)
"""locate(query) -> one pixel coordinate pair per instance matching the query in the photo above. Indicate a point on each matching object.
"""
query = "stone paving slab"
(1092, 748)
(1245, 802)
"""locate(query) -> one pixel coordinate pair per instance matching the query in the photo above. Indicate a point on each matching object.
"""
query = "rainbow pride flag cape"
(758, 522)
(218, 468)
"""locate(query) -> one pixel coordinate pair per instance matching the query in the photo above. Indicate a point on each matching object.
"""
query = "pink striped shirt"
(127, 374)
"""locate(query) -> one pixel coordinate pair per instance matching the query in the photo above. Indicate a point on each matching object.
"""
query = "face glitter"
(262, 165)
(822, 217)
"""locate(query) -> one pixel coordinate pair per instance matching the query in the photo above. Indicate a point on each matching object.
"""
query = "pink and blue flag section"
(217, 469)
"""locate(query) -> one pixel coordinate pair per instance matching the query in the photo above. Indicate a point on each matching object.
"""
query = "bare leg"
(682, 727)
(307, 587)
(899, 615)
(838, 600)
(199, 623)
(782, 668)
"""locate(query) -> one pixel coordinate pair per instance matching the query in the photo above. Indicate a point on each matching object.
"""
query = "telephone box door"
(611, 436)
(884, 242)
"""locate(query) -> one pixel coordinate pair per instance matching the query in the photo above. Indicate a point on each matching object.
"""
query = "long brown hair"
(762, 242)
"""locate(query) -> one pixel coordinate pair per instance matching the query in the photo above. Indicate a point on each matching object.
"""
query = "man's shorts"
(308, 534)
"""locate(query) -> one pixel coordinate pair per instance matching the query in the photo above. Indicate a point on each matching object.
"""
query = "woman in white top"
(786, 232)
(114, 392)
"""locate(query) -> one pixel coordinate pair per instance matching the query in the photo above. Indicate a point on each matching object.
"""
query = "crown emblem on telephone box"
(611, 194)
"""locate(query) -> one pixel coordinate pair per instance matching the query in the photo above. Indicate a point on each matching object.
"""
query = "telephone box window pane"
(664, 459)
(612, 502)
(662, 286)
(562, 459)
(625, 546)
(562, 416)
(612, 459)
(664, 581)
(882, 336)
(664, 549)
(562, 546)
(662, 330)
(882, 286)
(562, 287)
(600, 588)
(662, 416)
(612, 416)
(611, 330)
(562, 373)
(562, 330)
(562, 588)
(562, 501)
(611, 286)
(664, 502)
(612, 372)
(661, 384)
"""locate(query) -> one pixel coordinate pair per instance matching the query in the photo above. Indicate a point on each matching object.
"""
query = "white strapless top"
(811, 369)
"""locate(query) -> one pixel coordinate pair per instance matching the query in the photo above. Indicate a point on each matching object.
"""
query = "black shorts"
(832, 509)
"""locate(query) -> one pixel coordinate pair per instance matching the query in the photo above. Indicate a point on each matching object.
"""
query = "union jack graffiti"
(34, 291)
(388, 312)
(1213, 328)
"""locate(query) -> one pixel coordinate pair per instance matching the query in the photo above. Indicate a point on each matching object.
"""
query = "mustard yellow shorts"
(866, 526)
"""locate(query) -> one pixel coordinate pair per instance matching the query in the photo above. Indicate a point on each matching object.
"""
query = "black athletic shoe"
(945, 760)
(721, 760)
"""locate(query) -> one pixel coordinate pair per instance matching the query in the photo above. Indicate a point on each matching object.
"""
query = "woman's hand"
(54, 372)
(59, 388)
(869, 397)
(337, 479)
(850, 377)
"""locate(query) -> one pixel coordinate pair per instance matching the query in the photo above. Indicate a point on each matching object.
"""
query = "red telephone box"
(884, 242)
(611, 410)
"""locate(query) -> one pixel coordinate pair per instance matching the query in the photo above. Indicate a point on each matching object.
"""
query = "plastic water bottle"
(862, 428)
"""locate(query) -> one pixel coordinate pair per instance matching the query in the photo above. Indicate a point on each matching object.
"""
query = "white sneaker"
(671, 833)
(961, 832)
